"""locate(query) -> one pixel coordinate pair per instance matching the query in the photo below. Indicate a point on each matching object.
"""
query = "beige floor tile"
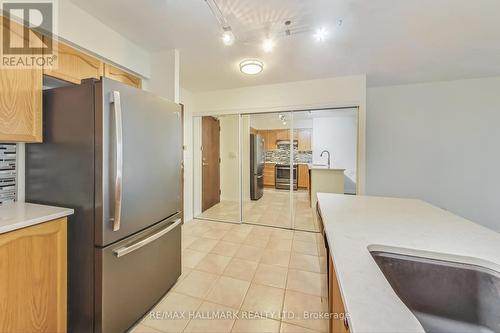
(256, 325)
(212, 318)
(282, 234)
(215, 233)
(224, 248)
(228, 291)
(276, 257)
(172, 313)
(191, 258)
(188, 240)
(196, 284)
(213, 263)
(264, 300)
(185, 272)
(298, 304)
(323, 264)
(241, 269)
(256, 240)
(143, 329)
(305, 236)
(203, 244)
(279, 244)
(305, 247)
(305, 282)
(304, 262)
(289, 328)
(234, 237)
(250, 253)
(269, 275)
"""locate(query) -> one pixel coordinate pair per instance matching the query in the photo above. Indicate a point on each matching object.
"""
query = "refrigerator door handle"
(120, 252)
(115, 100)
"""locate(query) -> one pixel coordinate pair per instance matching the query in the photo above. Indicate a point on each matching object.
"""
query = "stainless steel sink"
(446, 297)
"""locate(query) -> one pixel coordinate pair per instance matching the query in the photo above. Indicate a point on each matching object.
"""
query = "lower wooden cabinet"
(33, 278)
(303, 176)
(269, 177)
(339, 322)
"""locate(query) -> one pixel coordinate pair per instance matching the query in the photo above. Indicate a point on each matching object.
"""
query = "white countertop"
(17, 215)
(320, 167)
(354, 224)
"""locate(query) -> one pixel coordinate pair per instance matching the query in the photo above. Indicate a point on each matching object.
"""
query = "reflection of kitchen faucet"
(326, 151)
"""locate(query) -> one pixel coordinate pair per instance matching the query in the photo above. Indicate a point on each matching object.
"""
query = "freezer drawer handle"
(115, 99)
(120, 252)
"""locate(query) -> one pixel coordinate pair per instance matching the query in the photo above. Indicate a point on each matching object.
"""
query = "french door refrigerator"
(113, 153)
(257, 161)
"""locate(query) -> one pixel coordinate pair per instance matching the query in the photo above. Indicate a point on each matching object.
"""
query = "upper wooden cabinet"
(120, 75)
(304, 137)
(20, 97)
(73, 65)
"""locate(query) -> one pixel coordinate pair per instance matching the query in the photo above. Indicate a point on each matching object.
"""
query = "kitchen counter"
(322, 167)
(17, 215)
(356, 224)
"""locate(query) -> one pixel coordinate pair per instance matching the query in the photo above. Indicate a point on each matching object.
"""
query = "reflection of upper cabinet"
(304, 137)
(74, 66)
(20, 97)
(120, 75)
(271, 140)
(282, 134)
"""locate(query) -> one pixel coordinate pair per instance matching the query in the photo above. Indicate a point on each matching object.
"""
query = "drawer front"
(132, 278)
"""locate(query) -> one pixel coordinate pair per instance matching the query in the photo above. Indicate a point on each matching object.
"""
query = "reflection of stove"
(282, 177)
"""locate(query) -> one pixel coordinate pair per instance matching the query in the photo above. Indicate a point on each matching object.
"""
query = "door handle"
(115, 100)
(204, 164)
(120, 252)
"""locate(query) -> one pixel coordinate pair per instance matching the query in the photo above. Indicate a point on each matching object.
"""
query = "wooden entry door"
(210, 142)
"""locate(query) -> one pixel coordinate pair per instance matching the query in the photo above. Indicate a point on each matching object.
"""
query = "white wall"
(186, 98)
(81, 29)
(438, 142)
(301, 95)
(229, 154)
(164, 79)
(338, 135)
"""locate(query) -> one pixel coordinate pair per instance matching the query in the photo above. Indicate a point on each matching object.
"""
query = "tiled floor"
(243, 278)
(272, 209)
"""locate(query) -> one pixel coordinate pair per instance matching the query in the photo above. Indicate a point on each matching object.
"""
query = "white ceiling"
(392, 41)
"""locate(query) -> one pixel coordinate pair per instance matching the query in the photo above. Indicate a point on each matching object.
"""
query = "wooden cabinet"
(33, 278)
(304, 138)
(339, 322)
(269, 174)
(20, 97)
(271, 140)
(303, 176)
(118, 74)
(74, 65)
(282, 134)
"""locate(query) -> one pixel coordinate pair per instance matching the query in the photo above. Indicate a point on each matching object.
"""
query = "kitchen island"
(356, 225)
(325, 180)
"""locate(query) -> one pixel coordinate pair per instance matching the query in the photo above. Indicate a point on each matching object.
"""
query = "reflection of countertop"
(17, 215)
(319, 167)
(355, 224)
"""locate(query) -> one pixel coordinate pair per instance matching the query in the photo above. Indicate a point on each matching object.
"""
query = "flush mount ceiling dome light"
(251, 66)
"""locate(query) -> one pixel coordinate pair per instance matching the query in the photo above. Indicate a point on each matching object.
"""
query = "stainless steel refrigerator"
(257, 161)
(113, 153)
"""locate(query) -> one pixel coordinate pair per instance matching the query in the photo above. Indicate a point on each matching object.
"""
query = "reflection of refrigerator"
(257, 160)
